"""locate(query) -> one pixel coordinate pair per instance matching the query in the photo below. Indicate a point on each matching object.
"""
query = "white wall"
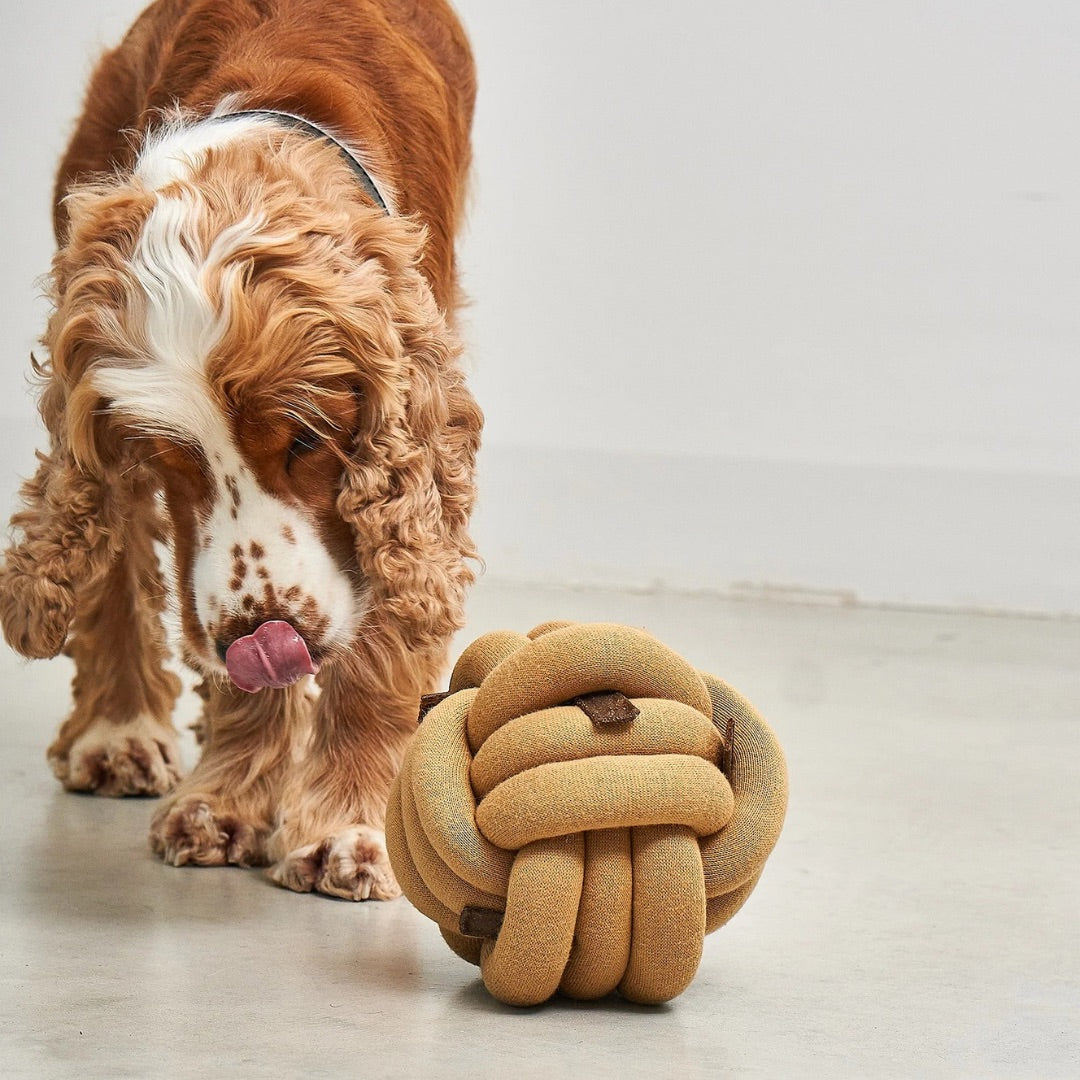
(818, 231)
(766, 294)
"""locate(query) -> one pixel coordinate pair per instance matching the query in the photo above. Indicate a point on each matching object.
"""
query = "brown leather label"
(607, 707)
(480, 922)
(727, 751)
(428, 702)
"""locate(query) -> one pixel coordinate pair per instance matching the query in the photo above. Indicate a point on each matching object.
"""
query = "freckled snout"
(274, 656)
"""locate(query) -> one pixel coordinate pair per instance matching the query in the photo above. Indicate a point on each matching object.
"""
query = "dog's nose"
(221, 647)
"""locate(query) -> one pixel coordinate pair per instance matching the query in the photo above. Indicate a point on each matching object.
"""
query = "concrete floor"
(919, 917)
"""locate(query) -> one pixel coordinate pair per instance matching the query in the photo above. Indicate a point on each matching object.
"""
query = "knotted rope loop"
(585, 856)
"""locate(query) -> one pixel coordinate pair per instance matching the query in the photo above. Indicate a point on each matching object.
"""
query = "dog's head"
(262, 343)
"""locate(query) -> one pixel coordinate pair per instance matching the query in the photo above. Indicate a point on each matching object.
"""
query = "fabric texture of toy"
(580, 809)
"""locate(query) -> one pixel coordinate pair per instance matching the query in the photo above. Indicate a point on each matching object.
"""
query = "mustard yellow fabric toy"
(580, 809)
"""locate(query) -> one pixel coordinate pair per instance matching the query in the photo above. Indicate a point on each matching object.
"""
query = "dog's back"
(394, 76)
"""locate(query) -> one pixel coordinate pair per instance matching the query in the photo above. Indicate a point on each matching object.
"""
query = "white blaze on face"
(287, 569)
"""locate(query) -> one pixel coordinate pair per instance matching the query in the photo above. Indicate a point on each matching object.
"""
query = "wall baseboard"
(911, 537)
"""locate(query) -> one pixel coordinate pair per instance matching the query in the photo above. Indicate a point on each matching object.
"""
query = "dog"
(252, 360)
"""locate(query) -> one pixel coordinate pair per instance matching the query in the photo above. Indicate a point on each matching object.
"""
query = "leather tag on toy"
(480, 922)
(607, 707)
(428, 702)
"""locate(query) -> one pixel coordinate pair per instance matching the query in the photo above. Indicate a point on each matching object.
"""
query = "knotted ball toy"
(580, 809)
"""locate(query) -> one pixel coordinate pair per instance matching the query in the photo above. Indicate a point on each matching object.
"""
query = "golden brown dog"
(252, 358)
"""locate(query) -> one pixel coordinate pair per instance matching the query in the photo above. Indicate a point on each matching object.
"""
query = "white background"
(768, 297)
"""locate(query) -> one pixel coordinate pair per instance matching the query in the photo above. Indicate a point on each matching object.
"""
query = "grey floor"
(919, 917)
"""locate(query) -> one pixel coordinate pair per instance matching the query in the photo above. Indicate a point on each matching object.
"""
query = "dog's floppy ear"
(64, 543)
(408, 488)
(68, 530)
(94, 294)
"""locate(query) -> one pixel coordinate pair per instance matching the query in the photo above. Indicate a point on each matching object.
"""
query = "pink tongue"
(274, 656)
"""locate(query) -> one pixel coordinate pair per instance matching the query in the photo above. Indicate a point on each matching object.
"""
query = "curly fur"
(320, 314)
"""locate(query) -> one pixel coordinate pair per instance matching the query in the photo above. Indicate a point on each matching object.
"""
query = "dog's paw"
(140, 757)
(197, 829)
(351, 864)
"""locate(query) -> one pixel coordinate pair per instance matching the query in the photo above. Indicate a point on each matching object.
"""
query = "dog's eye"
(304, 443)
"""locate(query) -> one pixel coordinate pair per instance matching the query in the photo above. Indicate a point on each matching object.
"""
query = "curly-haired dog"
(252, 358)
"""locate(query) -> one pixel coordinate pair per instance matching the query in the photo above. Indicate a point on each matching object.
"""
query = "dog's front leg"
(120, 738)
(224, 811)
(83, 578)
(330, 830)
